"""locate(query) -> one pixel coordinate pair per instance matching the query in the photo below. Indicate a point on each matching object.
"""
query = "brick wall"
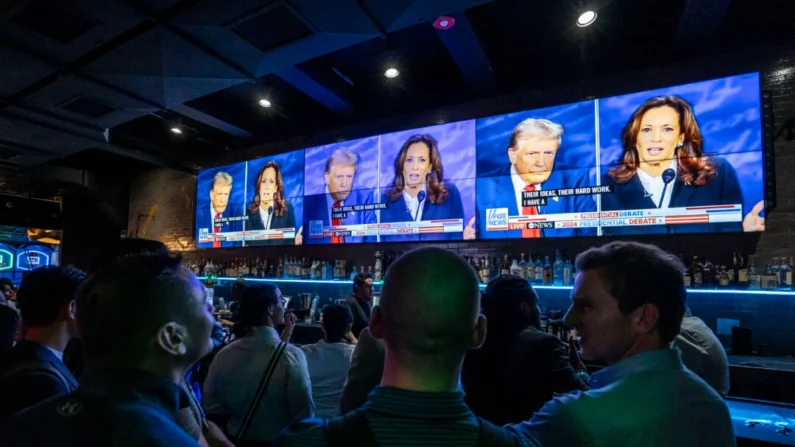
(168, 196)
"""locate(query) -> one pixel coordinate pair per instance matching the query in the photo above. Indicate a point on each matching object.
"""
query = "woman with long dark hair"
(664, 166)
(240, 368)
(419, 191)
(269, 209)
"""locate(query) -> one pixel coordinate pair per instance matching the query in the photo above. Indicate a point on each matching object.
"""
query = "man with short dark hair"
(329, 360)
(627, 305)
(144, 321)
(360, 303)
(33, 371)
(427, 324)
(519, 367)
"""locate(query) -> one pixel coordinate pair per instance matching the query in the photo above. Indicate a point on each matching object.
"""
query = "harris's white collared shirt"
(654, 186)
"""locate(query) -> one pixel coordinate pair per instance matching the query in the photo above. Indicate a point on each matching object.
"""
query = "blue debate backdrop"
(728, 112)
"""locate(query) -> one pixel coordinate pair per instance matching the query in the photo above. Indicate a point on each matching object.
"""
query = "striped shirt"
(400, 418)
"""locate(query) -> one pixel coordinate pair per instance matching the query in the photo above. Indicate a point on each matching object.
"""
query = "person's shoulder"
(295, 353)
(306, 433)
(143, 425)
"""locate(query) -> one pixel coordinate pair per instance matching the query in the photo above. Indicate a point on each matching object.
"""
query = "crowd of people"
(130, 354)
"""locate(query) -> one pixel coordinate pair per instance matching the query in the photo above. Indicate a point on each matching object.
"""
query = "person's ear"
(349, 327)
(478, 333)
(512, 155)
(377, 324)
(71, 310)
(326, 177)
(525, 309)
(172, 337)
(645, 318)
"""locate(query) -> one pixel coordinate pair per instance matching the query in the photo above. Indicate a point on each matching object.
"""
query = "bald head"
(429, 304)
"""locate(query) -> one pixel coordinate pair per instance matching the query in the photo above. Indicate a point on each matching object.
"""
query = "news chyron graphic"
(341, 187)
(427, 184)
(275, 200)
(220, 206)
(685, 159)
(537, 173)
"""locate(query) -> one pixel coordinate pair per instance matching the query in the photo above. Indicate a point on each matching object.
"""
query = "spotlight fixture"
(391, 73)
(265, 103)
(176, 130)
(444, 23)
(586, 18)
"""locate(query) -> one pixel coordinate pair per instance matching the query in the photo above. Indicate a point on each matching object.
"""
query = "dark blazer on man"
(287, 220)
(316, 209)
(9, 324)
(495, 190)
(397, 211)
(507, 383)
(205, 220)
(30, 373)
(361, 318)
(724, 189)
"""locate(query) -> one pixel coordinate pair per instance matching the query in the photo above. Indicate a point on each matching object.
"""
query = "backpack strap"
(349, 430)
(491, 435)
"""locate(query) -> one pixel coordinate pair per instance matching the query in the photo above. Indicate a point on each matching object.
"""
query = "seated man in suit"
(339, 177)
(206, 217)
(532, 149)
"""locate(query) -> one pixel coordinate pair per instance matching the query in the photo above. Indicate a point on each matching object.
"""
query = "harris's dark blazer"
(285, 221)
(316, 209)
(44, 377)
(495, 190)
(205, 220)
(452, 208)
(724, 189)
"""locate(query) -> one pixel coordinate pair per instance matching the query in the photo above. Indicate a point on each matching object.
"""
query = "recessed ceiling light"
(264, 102)
(586, 18)
(176, 130)
(391, 73)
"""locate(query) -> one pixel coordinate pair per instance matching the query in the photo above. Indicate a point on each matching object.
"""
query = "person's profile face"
(605, 333)
(199, 318)
(365, 291)
(659, 135)
(417, 165)
(278, 309)
(267, 185)
(219, 196)
(534, 157)
(340, 181)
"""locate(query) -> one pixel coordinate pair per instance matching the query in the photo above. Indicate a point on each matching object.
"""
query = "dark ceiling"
(91, 84)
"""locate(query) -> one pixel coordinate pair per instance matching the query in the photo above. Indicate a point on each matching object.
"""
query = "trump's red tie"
(336, 223)
(216, 229)
(530, 211)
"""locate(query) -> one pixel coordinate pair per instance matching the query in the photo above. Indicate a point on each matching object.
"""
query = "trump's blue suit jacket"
(496, 191)
(724, 189)
(316, 208)
(452, 208)
(204, 220)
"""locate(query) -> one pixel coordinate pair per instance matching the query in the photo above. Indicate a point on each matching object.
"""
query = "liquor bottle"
(698, 273)
(516, 270)
(730, 271)
(770, 277)
(742, 273)
(557, 269)
(567, 273)
(371, 271)
(354, 272)
(362, 269)
(710, 275)
(538, 278)
(754, 278)
(306, 269)
(378, 267)
(547, 272)
(280, 269)
(723, 277)
(505, 266)
(485, 271)
(687, 275)
(785, 273)
(527, 266)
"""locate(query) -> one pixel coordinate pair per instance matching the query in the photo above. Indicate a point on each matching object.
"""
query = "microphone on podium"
(420, 199)
(668, 175)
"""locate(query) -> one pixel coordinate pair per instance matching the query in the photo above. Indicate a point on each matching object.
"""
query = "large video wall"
(684, 159)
